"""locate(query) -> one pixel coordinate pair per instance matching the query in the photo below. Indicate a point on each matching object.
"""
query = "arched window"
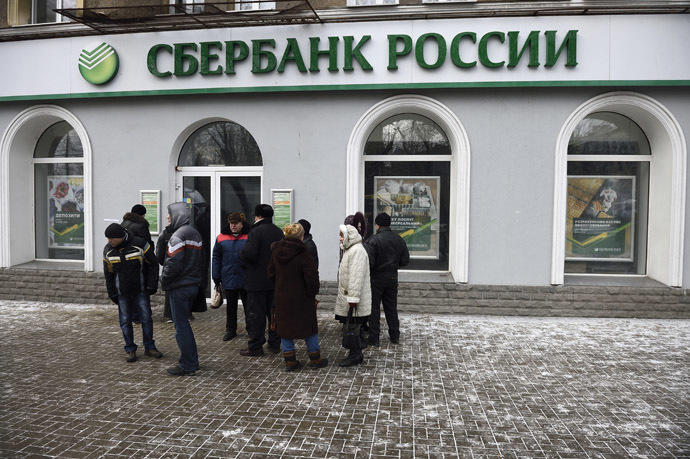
(59, 194)
(220, 144)
(407, 174)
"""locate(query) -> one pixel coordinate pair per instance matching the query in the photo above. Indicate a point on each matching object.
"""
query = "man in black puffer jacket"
(136, 224)
(387, 253)
(181, 278)
(256, 255)
(131, 276)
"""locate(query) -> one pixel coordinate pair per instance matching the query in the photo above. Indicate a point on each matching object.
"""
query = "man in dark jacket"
(131, 276)
(227, 269)
(136, 224)
(256, 256)
(181, 278)
(387, 252)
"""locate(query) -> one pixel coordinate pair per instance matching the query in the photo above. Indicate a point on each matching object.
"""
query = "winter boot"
(315, 360)
(291, 362)
(355, 357)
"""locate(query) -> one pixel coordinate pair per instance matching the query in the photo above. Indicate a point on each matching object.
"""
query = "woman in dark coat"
(296, 284)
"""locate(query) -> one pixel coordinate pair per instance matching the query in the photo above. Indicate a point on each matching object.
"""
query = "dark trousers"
(385, 290)
(231, 320)
(259, 312)
(181, 300)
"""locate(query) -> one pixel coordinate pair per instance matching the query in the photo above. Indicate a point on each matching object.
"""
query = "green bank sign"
(464, 50)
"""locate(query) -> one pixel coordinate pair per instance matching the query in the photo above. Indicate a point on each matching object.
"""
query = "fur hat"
(138, 209)
(306, 225)
(359, 221)
(236, 217)
(263, 211)
(383, 219)
(115, 230)
(294, 231)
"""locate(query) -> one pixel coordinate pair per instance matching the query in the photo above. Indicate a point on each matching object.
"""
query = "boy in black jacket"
(131, 276)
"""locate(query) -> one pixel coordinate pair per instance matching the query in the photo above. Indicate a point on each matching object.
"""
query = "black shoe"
(395, 340)
(274, 349)
(354, 358)
(252, 353)
(229, 335)
(177, 371)
(373, 340)
(153, 352)
(132, 356)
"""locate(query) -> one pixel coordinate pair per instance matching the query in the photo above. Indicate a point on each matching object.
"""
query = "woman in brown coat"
(296, 279)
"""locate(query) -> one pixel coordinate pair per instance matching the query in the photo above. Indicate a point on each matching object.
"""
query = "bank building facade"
(533, 155)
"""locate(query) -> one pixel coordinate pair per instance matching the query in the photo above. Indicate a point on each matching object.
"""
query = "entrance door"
(212, 195)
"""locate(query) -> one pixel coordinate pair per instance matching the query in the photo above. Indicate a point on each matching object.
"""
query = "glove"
(114, 300)
(152, 291)
(352, 305)
(216, 282)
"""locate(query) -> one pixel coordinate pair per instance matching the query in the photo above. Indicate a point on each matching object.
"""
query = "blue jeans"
(181, 300)
(312, 343)
(127, 305)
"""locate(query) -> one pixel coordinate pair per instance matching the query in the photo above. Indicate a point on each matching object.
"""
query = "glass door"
(212, 195)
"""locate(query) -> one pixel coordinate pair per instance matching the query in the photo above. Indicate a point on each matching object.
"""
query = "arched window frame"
(18, 143)
(459, 166)
(667, 190)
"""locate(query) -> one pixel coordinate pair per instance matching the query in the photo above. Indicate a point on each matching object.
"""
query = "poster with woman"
(601, 212)
(412, 203)
(65, 211)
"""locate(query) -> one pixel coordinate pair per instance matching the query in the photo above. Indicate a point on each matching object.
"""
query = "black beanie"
(306, 225)
(263, 211)
(139, 209)
(115, 231)
(383, 219)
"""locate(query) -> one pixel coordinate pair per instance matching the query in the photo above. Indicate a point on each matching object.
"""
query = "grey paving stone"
(456, 386)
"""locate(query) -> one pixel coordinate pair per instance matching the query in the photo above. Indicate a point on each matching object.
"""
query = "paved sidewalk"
(456, 386)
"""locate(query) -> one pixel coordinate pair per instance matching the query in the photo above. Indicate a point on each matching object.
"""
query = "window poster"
(151, 199)
(412, 203)
(600, 221)
(65, 211)
(281, 200)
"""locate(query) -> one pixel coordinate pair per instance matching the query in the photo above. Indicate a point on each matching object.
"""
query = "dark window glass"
(407, 134)
(59, 141)
(608, 134)
(220, 144)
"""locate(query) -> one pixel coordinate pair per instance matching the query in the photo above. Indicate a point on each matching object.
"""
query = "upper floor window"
(371, 2)
(37, 11)
(220, 144)
(186, 6)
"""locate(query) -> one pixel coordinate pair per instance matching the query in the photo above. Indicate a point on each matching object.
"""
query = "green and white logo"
(98, 63)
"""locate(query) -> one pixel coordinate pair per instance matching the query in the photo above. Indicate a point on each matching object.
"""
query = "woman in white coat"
(354, 287)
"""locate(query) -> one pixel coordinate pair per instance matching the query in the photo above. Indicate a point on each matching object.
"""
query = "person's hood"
(180, 215)
(351, 236)
(287, 249)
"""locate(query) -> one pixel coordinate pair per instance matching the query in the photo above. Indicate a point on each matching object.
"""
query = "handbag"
(199, 304)
(352, 336)
(217, 297)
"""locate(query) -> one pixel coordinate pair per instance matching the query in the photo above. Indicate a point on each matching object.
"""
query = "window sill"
(425, 276)
(611, 281)
(52, 265)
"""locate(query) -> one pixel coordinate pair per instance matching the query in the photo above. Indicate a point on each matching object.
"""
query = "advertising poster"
(600, 220)
(65, 212)
(282, 207)
(150, 199)
(412, 203)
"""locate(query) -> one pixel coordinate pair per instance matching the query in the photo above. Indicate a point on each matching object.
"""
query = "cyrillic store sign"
(529, 51)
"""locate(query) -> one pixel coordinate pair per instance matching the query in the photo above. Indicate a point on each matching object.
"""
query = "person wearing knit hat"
(138, 209)
(309, 241)
(131, 277)
(387, 253)
(227, 270)
(296, 284)
(255, 256)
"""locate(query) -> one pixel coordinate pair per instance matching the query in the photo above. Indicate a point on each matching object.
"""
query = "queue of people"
(273, 272)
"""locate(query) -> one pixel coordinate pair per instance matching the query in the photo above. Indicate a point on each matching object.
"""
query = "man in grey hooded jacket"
(181, 278)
